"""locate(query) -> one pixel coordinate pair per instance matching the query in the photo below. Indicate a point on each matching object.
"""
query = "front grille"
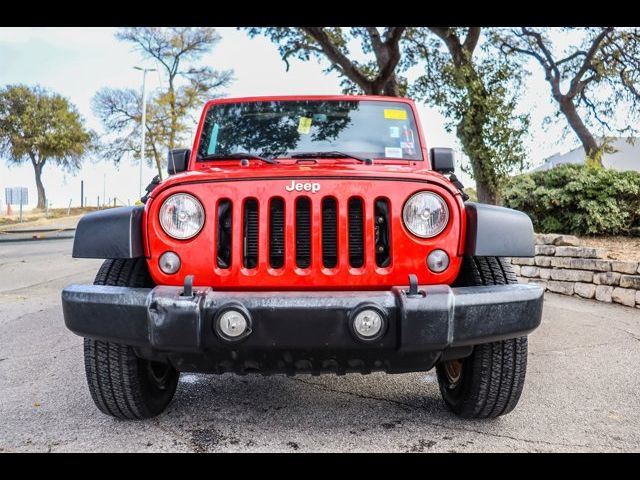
(303, 232)
(329, 232)
(356, 233)
(223, 240)
(250, 236)
(276, 233)
(382, 232)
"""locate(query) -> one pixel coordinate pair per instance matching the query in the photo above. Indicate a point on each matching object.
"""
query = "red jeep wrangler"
(305, 234)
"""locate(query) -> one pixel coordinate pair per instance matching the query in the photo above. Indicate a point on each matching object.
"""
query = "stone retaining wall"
(561, 265)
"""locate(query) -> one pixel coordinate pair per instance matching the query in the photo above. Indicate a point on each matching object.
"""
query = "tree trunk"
(591, 149)
(470, 134)
(486, 188)
(158, 161)
(42, 199)
(391, 89)
(174, 115)
(486, 194)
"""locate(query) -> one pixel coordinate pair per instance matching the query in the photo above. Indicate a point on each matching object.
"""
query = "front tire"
(122, 384)
(489, 382)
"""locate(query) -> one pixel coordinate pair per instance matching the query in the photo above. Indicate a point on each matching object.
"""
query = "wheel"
(122, 384)
(488, 383)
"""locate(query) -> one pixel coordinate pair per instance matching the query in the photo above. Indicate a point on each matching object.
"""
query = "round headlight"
(425, 214)
(181, 216)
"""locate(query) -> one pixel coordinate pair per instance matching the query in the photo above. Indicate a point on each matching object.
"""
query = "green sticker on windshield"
(213, 139)
(304, 126)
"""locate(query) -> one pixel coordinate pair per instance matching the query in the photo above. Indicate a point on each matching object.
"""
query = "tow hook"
(188, 286)
(413, 286)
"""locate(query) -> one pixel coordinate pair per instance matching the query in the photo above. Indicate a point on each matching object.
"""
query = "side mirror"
(178, 160)
(442, 160)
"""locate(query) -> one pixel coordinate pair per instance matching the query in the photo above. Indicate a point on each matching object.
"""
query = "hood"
(264, 172)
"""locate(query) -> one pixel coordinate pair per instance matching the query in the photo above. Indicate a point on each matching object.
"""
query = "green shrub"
(578, 199)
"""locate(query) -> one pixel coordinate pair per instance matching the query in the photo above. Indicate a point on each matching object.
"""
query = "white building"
(626, 157)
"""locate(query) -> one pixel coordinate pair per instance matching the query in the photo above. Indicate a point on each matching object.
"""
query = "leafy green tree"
(478, 97)
(186, 86)
(477, 91)
(40, 127)
(592, 81)
(375, 76)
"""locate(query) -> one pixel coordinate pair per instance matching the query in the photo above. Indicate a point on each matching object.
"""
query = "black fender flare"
(498, 232)
(111, 233)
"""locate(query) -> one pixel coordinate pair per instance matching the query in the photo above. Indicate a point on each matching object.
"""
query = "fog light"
(438, 261)
(232, 324)
(368, 324)
(169, 262)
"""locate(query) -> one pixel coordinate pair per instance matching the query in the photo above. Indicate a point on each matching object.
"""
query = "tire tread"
(113, 370)
(495, 371)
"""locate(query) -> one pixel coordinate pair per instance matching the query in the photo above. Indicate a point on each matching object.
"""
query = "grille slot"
(223, 240)
(382, 231)
(276, 233)
(250, 236)
(303, 232)
(329, 232)
(356, 233)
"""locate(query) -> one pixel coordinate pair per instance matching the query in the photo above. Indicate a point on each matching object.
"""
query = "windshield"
(280, 129)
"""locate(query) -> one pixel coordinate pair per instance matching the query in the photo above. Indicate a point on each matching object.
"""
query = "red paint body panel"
(393, 180)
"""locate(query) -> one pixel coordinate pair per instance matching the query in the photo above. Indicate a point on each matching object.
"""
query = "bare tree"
(120, 111)
(171, 107)
(172, 48)
(605, 60)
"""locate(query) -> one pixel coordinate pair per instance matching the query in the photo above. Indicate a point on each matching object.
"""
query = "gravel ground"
(581, 392)
(619, 248)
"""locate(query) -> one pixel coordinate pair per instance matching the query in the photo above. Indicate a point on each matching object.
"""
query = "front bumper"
(302, 331)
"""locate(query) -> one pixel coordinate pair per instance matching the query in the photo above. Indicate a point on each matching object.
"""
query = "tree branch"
(337, 57)
(586, 62)
(471, 41)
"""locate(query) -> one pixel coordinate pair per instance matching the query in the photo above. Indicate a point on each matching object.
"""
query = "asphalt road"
(582, 391)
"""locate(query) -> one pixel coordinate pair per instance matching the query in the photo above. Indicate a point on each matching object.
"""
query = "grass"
(35, 214)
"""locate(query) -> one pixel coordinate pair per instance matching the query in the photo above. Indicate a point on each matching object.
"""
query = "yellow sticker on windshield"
(395, 114)
(304, 126)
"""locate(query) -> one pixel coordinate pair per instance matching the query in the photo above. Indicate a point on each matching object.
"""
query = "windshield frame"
(370, 98)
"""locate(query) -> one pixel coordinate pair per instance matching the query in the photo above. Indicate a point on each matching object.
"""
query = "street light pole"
(144, 119)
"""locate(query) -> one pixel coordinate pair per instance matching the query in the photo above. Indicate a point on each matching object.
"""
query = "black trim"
(498, 232)
(111, 233)
(302, 331)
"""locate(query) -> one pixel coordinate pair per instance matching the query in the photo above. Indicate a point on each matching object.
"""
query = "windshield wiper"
(240, 155)
(332, 154)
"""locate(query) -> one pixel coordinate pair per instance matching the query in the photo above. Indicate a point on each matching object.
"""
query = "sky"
(76, 62)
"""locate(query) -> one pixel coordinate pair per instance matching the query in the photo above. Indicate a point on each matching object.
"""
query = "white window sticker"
(394, 132)
(393, 152)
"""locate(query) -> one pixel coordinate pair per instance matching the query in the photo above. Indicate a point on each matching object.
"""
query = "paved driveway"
(582, 391)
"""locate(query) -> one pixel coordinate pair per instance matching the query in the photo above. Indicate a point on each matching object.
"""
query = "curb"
(27, 235)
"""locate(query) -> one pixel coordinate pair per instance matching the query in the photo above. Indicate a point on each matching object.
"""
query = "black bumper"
(302, 331)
